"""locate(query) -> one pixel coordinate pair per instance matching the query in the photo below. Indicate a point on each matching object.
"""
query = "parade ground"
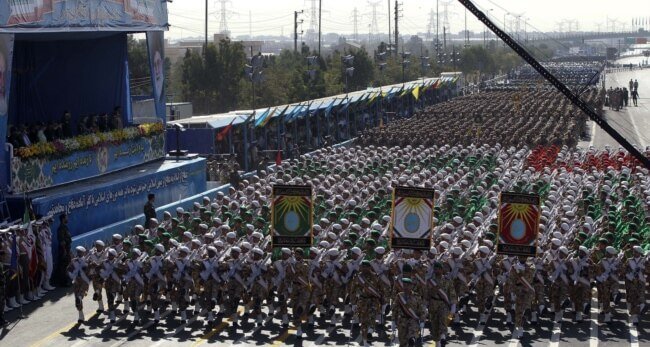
(632, 122)
(52, 321)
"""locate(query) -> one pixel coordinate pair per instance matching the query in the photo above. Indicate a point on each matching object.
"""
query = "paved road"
(52, 322)
(632, 122)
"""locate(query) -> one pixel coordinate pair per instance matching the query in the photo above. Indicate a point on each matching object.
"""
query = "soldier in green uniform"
(366, 288)
(409, 314)
(440, 295)
(521, 276)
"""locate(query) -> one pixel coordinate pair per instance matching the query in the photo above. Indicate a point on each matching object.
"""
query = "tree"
(212, 81)
(139, 71)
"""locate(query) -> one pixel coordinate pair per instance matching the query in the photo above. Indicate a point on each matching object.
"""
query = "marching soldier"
(483, 282)
(111, 279)
(255, 269)
(365, 287)
(300, 292)
(521, 275)
(580, 291)
(134, 283)
(459, 269)
(95, 259)
(235, 285)
(559, 279)
(80, 281)
(156, 282)
(635, 283)
(440, 296)
(409, 314)
(182, 282)
(607, 281)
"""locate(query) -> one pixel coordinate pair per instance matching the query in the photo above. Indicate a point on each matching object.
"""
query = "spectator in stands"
(116, 119)
(234, 176)
(14, 136)
(24, 136)
(65, 243)
(149, 210)
(102, 122)
(82, 128)
(92, 125)
(40, 132)
(66, 125)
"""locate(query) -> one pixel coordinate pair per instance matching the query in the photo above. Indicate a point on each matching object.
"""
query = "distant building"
(179, 110)
(176, 51)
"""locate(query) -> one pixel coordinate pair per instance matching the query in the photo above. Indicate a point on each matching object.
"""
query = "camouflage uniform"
(134, 284)
(409, 312)
(521, 275)
(300, 289)
(607, 277)
(77, 273)
(484, 277)
(580, 290)
(365, 287)
(156, 286)
(95, 259)
(559, 279)
(440, 296)
(635, 283)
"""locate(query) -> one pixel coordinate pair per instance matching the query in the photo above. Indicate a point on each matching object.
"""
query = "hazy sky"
(276, 16)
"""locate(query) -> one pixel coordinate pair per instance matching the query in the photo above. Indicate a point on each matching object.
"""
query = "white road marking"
(593, 328)
(634, 335)
(513, 342)
(178, 330)
(557, 330)
(140, 329)
(478, 331)
(328, 332)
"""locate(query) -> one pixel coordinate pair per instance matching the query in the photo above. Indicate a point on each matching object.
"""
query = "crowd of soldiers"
(527, 116)
(26, 264)
(217, 261)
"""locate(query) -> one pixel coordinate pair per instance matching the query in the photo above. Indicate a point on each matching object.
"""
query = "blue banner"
(6, 58)
(156, 45)
(38, 173)
(98, 205)
(83, 15)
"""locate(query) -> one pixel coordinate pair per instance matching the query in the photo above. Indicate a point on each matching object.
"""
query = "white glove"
(453, 308)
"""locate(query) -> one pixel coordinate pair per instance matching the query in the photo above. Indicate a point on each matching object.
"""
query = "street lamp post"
(348, 63)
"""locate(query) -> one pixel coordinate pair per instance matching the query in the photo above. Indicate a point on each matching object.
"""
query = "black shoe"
(566, 303)
(99, 311)
(412, 341)
(369, 336)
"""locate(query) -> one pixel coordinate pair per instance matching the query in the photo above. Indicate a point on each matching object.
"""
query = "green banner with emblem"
(292, 214)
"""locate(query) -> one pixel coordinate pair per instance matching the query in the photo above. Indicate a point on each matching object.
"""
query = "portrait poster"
(156, 46)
